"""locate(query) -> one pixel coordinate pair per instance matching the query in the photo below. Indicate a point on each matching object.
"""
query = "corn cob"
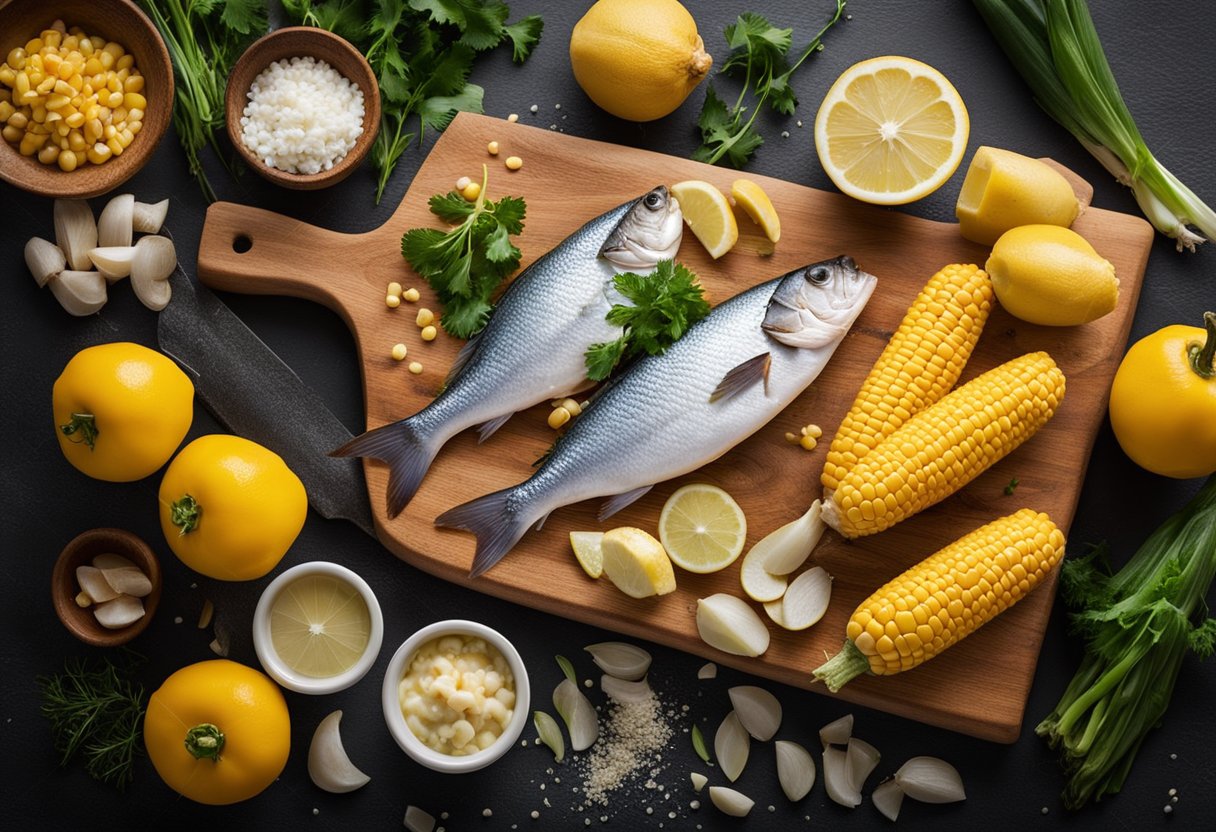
(945, 446)
(946, 597)
(921, 362)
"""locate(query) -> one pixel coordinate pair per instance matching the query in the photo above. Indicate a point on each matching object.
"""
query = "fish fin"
(407, 453)
(744, 376)
(495, 524)
(487, 429)
(540, 524)
(462, 358)
(614, 504)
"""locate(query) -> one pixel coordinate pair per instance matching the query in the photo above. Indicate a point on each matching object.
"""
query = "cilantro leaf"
(603, 358)
(758, 47)
(524, 35)
(450, 207)
(724, 133)
(510, 211)
(244, 16)
(484, 27)
(438, 111)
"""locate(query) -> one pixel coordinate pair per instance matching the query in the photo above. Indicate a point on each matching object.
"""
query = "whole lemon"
(638, 59)
(1046, 274)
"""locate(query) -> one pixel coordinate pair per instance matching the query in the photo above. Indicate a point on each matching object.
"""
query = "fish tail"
(497, 524)
(408, 453)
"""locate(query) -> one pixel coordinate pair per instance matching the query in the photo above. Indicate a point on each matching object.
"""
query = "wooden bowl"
(300, 42)
(118, 20)
(80, 552)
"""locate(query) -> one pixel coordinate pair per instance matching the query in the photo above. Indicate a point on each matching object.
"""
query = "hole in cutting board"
(242, 244)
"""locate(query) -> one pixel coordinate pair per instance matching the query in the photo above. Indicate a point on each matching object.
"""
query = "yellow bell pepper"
(121, 410)
(1163, 401)
(218, 732)
(230, 508)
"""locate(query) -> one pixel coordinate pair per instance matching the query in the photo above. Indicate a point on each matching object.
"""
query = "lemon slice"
(891, 130)
(756, 204)
(636, 563)
(702, 528)
(708, 215)
(319, 626)
(588, 551)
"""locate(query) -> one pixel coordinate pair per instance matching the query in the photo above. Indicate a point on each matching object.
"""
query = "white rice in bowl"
(303, 116)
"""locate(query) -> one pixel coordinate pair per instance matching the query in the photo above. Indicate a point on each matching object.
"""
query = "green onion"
(698, 743)
(1055, 47)
(566, 667)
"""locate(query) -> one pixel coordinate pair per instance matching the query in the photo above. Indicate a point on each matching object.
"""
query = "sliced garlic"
(784, 550)
(129, 580)
(328, 765)
(75, 231)
(795, 769)
(114, 262)
(730, 802)
(44, 260)
(887, 798)
(836, 778)
(155, 259)
(732, 744)
(218, 647)
(709, 670)
(93, 581)
(930, 780)
(760, 584)
(807, 599)
(698, 781)
(624, 661)
(759, 711)
(775, 610)
(578, 714)
(625, 691)
(861, 758)
(115, 224)
(109, 560)
(119, 612)
(550, 734)
(730, 625)
(148, 218)
(837, 732)
(416, 820)
(80, 293)
(204, 615)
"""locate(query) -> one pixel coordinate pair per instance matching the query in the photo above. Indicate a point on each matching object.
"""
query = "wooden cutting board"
(978, 687)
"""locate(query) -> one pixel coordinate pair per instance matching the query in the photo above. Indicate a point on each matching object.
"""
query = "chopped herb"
(567, 668)
(698, 743)
(1009, 489)
(664, 305)
(466, 264)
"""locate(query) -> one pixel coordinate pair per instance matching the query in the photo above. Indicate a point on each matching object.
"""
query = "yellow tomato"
(218, 732)
(230, 508)
(121, 410)
(1163, 401)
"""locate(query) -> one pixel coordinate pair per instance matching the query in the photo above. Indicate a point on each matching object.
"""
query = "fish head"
(649, 232)
(814, 306)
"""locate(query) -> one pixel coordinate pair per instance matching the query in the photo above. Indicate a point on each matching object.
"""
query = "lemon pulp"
(708, 215)
(702, 528)
(319, 626)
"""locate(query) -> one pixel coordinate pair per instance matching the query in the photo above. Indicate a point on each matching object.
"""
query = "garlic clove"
(44, 260)
(75, 231)
(837, 732)
(128, 581)
(836, 778)
(698, 781)
(776, 612)
(709, 670)
(416, 820)
(155, 259)
(624, 661)
(148, 218)
(732, 745)
(114, 226)
(625, 691)
(758, 710)
(806, 600)
(119, 612)
(550, 734)
(787, 548)
(109, 560)
(730, 802)
(861, 758)
(93, 581)
(328, 765)
(80, 293)
(795, 769)
(930, 780)
(887, 798)
(114, 262)
(577, 712)
(760, 584)
(730, 625)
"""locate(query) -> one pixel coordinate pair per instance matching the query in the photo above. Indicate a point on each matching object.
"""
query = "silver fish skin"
(532, 349)
(727, 377)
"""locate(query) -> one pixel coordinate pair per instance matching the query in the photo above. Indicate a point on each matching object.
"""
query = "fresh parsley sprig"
(759, 52)
(466, 264)
(665, 304)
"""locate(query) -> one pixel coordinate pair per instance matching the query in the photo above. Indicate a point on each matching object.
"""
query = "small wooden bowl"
(301, 42)
(117, 20)
(80, 552)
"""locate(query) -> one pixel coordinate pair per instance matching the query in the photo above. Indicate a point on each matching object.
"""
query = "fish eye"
(818, 275)
(652, 200)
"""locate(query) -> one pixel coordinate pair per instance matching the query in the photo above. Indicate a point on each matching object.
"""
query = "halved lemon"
(588, 551)
(756, 204)
(319, 626)
(891, 130)
(702, 528)
(636, 563)
(708, 215)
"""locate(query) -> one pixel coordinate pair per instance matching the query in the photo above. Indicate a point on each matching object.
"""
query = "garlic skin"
(114, 226)
(75, 231)
(80, 293)
(328, 766)
(44, 260)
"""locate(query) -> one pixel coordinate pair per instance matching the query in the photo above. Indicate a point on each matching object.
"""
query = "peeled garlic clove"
(155, 259)
(698, 781)
(80, 293)
(760, 584)
(807, 599)
(888, 797)
(784, 550)
(75, 231)
(416, 820)
(550, 734)
(624, 661)
(578, 714)
(625, 691)
(328, 766)
(837, 732)
(114, 262)
(860, 759)
(776, 612)
(930, 780)
(93, 581)
(759, 711)
(795, 769)
(109, 560)
(836, 778)
(44, 260)
(709, 670)
(128, 581)
(732, 746)
(730, 625)
(115, 224)
(148, 218)
(731, 802)
(119, 612)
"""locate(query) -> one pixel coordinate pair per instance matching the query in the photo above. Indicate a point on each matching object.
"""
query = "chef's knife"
(248, 388)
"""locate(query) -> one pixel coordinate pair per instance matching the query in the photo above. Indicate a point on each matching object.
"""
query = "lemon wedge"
(755, 203)
(708, 215)
(1004, 190)
(588, 551)
(636, 563)
(891, 130)
(320, 626)
(702, 528)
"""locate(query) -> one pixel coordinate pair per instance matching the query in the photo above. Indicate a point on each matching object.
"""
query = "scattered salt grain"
(534, 108)
(587, 683)
(785, 134)
(177, 619)
(535, 814)
(1168, 809)
(485, 813)
(316, 811)
(694, 805)
(514, 117)
(1044, 810)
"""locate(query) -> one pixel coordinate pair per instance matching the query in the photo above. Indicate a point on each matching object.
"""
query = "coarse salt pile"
(303, 116)
(632, 741)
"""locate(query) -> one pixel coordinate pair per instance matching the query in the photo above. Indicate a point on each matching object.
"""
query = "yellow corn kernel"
(49, 154)
(571, 405)
(115, 146)
(93, 129)
(70, 42)
(428, 333)
(33, 46)
(11, 134)
(98, 43)
(114, 100)
(61, 129)
(399, 352)
(392, 301)
(31, 143)
(471, 191)
(7, 111)
(16, 58)
(59, 26)
(114, 49)
(415, 367)
(103, 113)
(492, 148)
(99, 154)
(51, 62)
(425, 316)
(410, 294)
(17, 119)
(514, 117)
(76, 141)
(121, 75)
(57, 102)
(135, 114)
(113, 84)
(558, 416)
(808, 442)
(75, 119)
(67, 161)
(63, 88)
(109, 131)
(945, 446)
(106, 59)
(514, 163)
(118, 115)
(133, 83)
(38, 114)
(394, 288)
(135, 127)
(76, 82)
(93, 67)
(8, 76)
(920, 364)
(6, 96)
(45, 85)
(125, 137)
(52, 38)
(21, 85)
(125, 63)
(86, 48)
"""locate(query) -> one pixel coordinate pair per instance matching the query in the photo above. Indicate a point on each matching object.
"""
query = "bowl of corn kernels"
(86, 92)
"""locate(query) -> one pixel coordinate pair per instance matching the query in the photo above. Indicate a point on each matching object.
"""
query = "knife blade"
(248, 388)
